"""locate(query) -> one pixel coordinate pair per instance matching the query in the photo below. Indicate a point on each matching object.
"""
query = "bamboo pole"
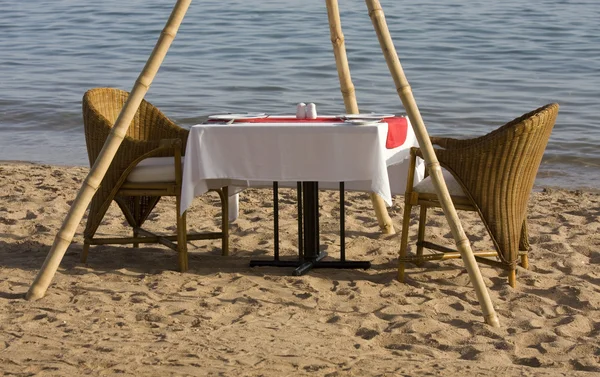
(349, 95)
(403, 88)
(341, 59)
(90, 185)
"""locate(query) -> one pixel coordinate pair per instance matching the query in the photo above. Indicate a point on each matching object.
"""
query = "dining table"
(337, 152)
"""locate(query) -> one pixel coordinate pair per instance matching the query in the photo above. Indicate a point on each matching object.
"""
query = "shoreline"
(129, 312)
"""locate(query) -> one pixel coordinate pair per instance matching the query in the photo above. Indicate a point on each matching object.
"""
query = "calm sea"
(473, 65)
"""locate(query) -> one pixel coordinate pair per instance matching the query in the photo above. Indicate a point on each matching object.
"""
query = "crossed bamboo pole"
(98, 171)
(349, 95)
(408, 101)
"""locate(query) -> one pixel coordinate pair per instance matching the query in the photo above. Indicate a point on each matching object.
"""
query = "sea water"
(472, 66)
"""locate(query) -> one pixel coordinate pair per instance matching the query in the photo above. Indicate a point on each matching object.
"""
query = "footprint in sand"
(303, 296)
(30, 215)
(366, 333)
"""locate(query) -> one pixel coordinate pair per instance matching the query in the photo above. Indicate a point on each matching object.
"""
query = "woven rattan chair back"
(150, 134)
(497, 173)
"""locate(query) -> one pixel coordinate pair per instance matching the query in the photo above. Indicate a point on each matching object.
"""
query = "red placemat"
(396, 136)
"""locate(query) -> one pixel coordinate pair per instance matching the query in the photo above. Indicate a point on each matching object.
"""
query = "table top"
(284, 149)
(397, 125)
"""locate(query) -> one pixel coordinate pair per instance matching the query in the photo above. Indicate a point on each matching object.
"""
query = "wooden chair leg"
(224, 194)
(85, 251)
(525, 261)
(421, 235)
(512, 278)
(404, 238)
(524, 237)
(524, 246)
(137, 208)
(181, 237)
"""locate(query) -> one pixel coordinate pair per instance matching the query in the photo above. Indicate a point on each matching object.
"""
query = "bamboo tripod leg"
(349, 95)
(90, 185)
(383, 218)
(405, 93)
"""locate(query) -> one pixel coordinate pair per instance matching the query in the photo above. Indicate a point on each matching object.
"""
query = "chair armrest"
(133, 151)
(451, 143)
(141, 149)
(175, 145)
(416, 152)
(170, 143)
(444, 142)
(450, 148)
(157, 148)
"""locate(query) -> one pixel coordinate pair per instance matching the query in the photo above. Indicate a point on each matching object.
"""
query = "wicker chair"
(492, 175)
(156, 144)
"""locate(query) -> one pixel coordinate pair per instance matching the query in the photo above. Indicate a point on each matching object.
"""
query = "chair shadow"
(123, 260)
(205, 259)
(25, 255)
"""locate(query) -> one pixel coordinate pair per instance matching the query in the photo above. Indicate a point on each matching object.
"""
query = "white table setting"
(354, 152)
(253, 150)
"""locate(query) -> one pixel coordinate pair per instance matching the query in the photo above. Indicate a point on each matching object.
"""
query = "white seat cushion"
(162, 169)
(154, 169)
(426, 185)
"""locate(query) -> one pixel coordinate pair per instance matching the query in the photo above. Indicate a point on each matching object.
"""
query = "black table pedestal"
(308, 235)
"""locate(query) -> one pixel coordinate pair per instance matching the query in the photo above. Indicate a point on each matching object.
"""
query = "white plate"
(238, 116)
(366, 116)
(362, 121)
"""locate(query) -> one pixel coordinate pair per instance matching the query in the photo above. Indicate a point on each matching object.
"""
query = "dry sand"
(128, 312)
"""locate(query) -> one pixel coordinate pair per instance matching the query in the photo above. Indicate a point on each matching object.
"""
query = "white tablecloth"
(256, 154)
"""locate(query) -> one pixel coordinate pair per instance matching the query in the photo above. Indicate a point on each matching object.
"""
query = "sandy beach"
(129, 312)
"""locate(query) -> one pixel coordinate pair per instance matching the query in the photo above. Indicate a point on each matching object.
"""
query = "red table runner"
(396, 136)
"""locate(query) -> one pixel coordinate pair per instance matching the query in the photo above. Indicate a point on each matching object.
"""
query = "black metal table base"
(309, 255)
(303, 267)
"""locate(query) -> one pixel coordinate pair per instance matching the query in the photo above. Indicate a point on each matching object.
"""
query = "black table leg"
(276, 262)
(342, 223)
(276, 219)
(310, 255)
(300, 225)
